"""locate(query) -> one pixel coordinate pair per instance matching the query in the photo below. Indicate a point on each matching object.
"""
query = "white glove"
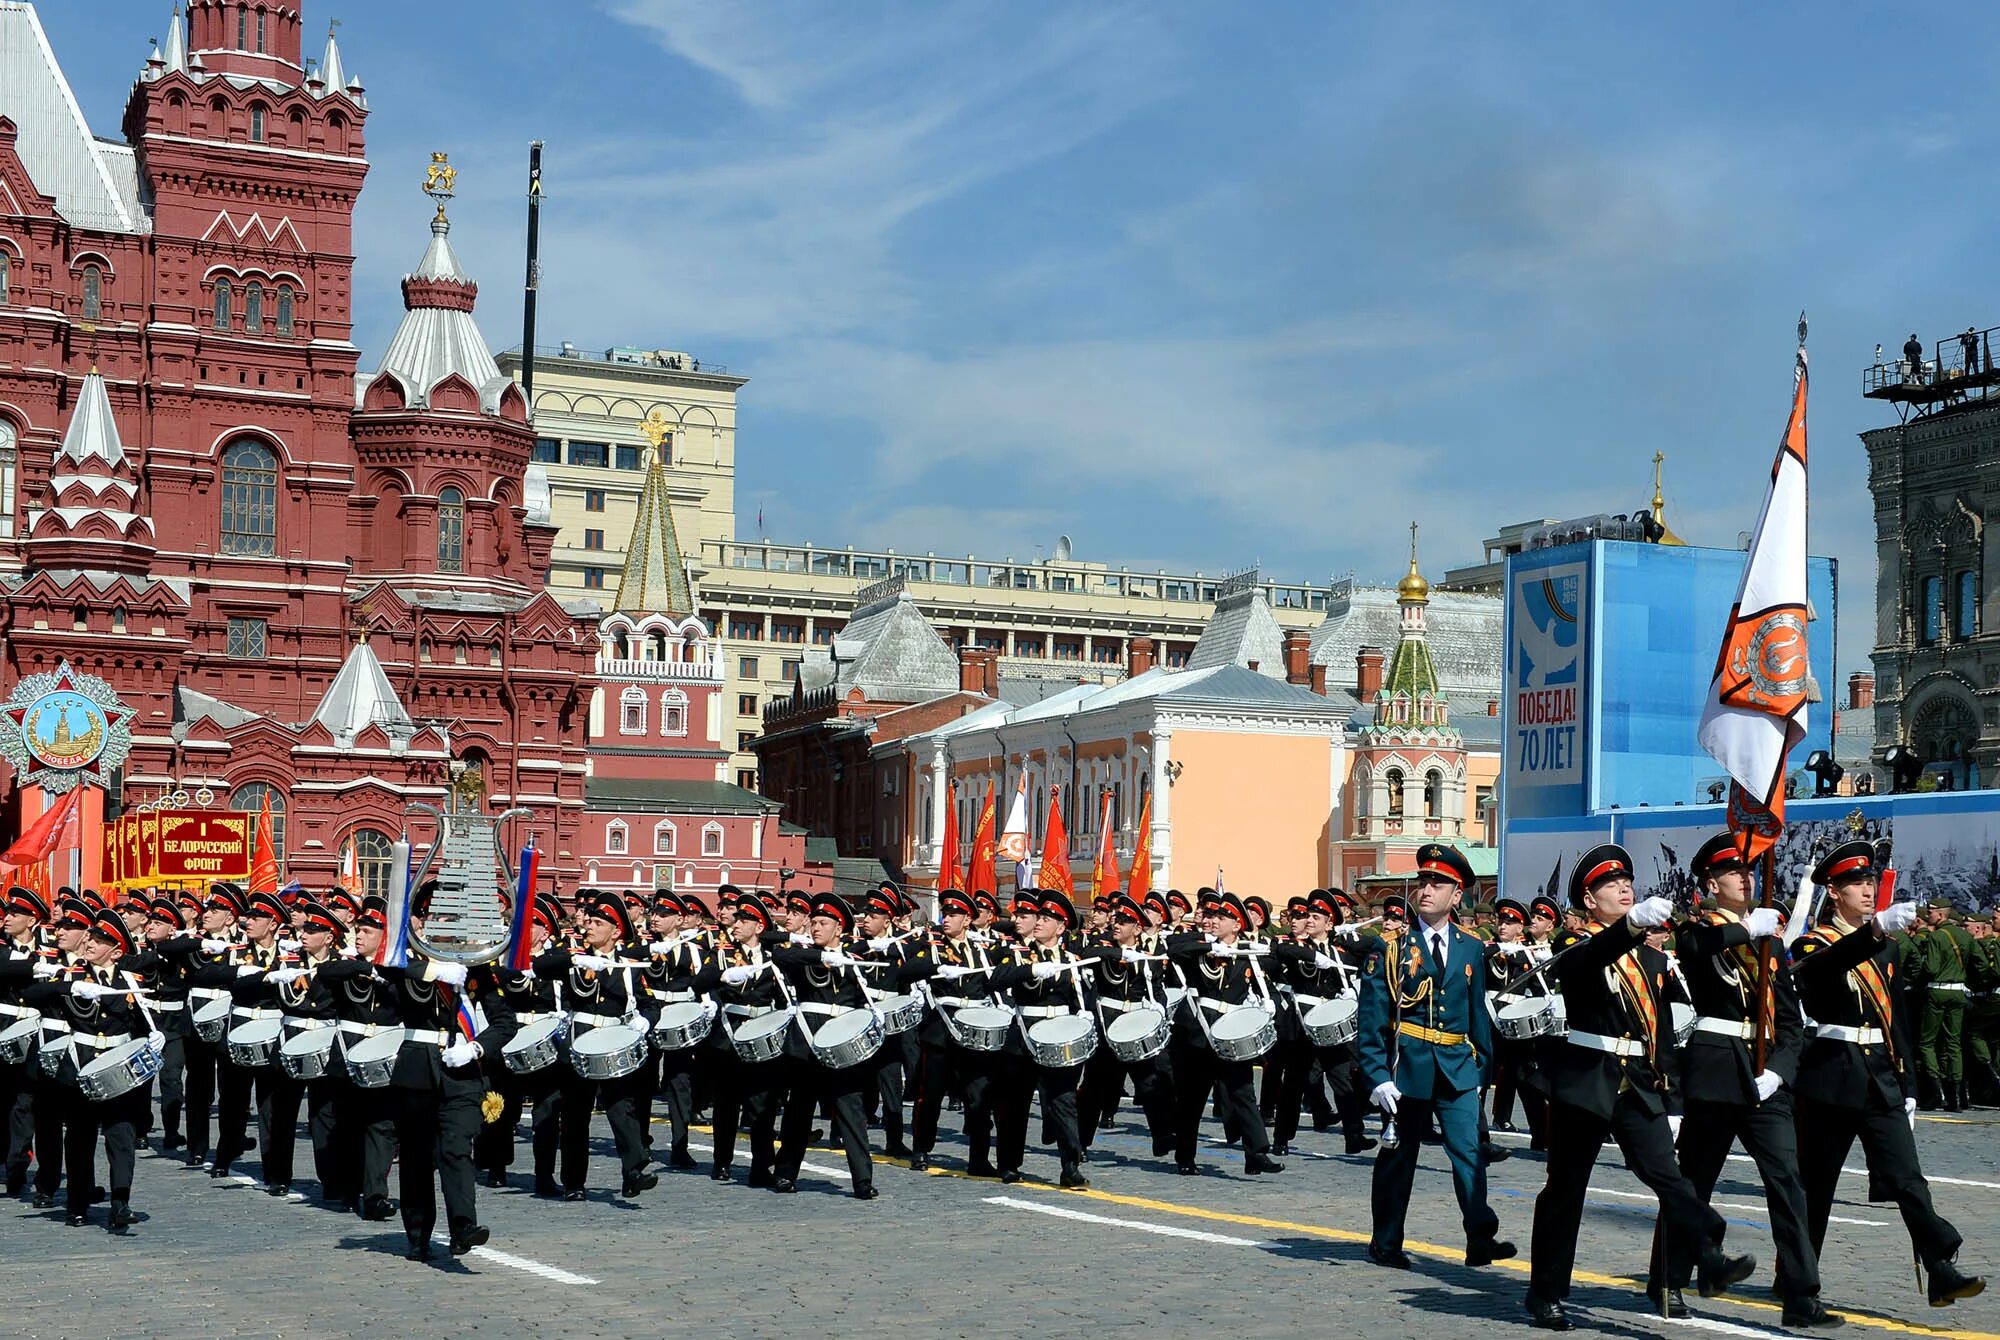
(1768, 1083)
(91, 990)
(1896, 917)
(248, 970)
(882, 944)
(1386, 1096)
(738, 975)
(1348, 932)
(801, 938)
(1674, 1125)
(156, 1040)
(214, 946)
(44, 968)
(285, 976)
(460, 1053)
(527, 975)
(561, 1016)
(833, 958)
(662, 947)
(951, 972)
(630, 1018)
(451, 974)
(591, 962)
(1044, 971)
(1762, 921)
(1132, 955)
(1910, 1111)
(1222, 951)
(1650, 913)
(1322, 961)
(290, 946)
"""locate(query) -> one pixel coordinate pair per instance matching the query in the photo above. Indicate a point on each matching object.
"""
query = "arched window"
(656, 646)
(1933, 608)
(621, 646)
(249, 799)
(257, 115)
(284, 309)
(371, 862)
(1967, 624)
(614, 838)
(632, 711)
(663, 838)
(6, 263)
(7, 468)
(253, 307)
(1395, 780)
(673, 713)
(222, 302)
(243, 27)
(1434, 794)
(117, 618)
(93, 293)
(249, 499)
(451, 531)
(711, 840)
(260, 30)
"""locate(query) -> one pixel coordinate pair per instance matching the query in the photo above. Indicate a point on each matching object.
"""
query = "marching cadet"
(1508, 959)
(1223, 979)
(167, 975)
(676, 956)
(364, 1120)
(1946, 949)
(1611, 1078)
(824, 983)
(532, 994)
(881, 958)
(1725, 954)
(1425, 1040)
(250, 999)
(1120, 984)
(1298, 964)
(209, 968)
(601, 990)
(307, 1006)
(54, 1098)
(101, 1005)
(20, 951)
(959, 963)
(747, 1093)
(1854, 1079)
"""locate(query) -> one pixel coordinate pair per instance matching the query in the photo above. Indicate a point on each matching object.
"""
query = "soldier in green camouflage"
(1947, 951)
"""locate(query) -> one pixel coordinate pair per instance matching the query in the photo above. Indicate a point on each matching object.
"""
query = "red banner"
(199, 845)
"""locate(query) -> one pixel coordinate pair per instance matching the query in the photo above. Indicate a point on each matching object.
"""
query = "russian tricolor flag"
(520, 948)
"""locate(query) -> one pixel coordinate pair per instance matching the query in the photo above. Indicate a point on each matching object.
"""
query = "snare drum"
(1138, 1035)
(536, 1046)
(979, 1028)
(761, 1038)
(609, 1052)
(18, 1040)
(118, 1071)
(254, 1042)
(683, 1024)
(1244, 1034)
(1684, 1017)
(371, 1061)
(847, 1039)
(307, 1054)
(1332, 1023)
(1529, 1017)
(900, 1014)
(1062, 1040)
(211, 1021)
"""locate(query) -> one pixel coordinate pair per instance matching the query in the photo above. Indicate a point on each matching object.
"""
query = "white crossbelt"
(1726, 1028)
(1597, 1042)
(1949, 986)
(1860, 1037)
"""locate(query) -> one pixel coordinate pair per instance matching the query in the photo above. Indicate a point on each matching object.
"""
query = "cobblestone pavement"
(1142, 1253)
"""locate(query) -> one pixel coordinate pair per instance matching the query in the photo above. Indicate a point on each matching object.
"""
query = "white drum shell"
(254, 1042)
(1332, 1023)
(308, 1053)
(1244, 1034)
(980, 1028)
(761, 1038)
(537, 1045)
(1062, 1040)
(118, 1071)
(848, 1039)
(1139, 1035)
(610, 1052)
(371, 1062)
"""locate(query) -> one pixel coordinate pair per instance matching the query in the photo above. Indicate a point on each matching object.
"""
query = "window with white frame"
(632, 711)
(663, 838)
(590, 873)
(711, 840)
(614, 839)
(723, 877)
(673, 713)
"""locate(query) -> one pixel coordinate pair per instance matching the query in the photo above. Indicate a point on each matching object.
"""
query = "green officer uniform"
(1948, 949)
(1982, 1022)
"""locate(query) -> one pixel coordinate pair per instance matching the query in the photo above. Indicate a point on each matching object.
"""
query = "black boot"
(1072, 1176)
(1948, 1284)
(1548, 1314)
(122, 1217)
(1809, 1313)
(170, 1127)
(1719, 1270)
(1928, 1097)
(1666, 1303)
(1952, 1099)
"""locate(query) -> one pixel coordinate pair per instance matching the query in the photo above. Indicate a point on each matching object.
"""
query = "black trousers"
(201, 1061)
(620, 1098)
(676, 1093)
(435, 1133)
(1332, 1067)
(1826, 1134)
(840, 1092)
(1104, 1078)
(240, 1085)
(17, 1110)
(117, 1122)
(364, 1138)
(750, 1095)
(1197, 1072)
(172, 1080)
(942, 1068)
(1511, 1060)
(1770, 1136)
(53, 1103)
(1016, 1080)
(1691, 1229)
(493, 1148)
(893, 1066)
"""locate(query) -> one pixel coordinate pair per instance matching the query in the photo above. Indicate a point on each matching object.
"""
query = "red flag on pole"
(1140, 882)
(263, 859)
(1104, 871)
(948, 850)
(979, 875)
(42, 836)
(1052, 871)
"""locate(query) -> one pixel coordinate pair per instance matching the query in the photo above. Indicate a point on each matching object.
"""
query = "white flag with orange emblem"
(1757, 701)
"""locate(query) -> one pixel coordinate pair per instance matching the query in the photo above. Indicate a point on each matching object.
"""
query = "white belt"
(598, 1020)
(306, 1025)
(53, 1025)
(1597, 1042)
(1038, 1011)
(673, 997)
(437, 1037)
(255, 1012)
(207, 993)
(1230, 1006)
(1726, 1028)
(17, 1011)
(98, 1040)
(169, 1006)
(748, 1011)
(1125, 1006)
(822, 1007)
(1949, 986)
(1860, 1037)
(529, 1016)
(360, 1030)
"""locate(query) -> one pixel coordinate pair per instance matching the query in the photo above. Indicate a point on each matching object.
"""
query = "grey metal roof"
(433, 343)
(191, 706)
(1026, 689)
(889, 651)
(55, 144)
(361, 696)
(92, 434)
(1241, 630)
(460, 602)
(104, 579)
(1238, 686)
(658, 795)
(1464, 632)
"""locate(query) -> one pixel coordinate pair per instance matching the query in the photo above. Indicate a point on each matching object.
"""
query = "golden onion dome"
(1413, 589)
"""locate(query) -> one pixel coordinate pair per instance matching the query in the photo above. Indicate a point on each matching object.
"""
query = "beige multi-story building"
(591, 413)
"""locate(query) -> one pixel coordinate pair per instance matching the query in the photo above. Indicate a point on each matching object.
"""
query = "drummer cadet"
(956, 977)
(99, 1004)
(1223, 980)
(1856, 1077)
(1298, 964)
(1543, 918)
(676, 955)
(880, 958)
(54, 1098)
(532, 995)
(1122, 984)
(1425, 1041)
(825, 984)
(346, 908)
(250, 1000)
(364, 1129)
(1611, 1077)
(292, 989)
(601, 989)
(210, 969)
(986, 910)
(26, 912)
(738, 978)
(1725, 953)
(167, 977)
(1508, 959)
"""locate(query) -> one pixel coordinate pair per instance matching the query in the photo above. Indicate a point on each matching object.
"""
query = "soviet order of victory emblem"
(59, 729)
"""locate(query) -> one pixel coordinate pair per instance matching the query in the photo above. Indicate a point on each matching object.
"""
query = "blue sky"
(1201, 285)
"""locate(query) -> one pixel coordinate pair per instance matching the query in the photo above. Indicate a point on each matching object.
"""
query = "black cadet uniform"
(17, 973)
(169, 978)
(956, 977)
(364, 1003)
(1310, 1066)
(748, 1093)
(308, 1008)
(532, 995)
(669, 978)
(1221, 984)
(823, 991)
(602, 997)
(1118, 987)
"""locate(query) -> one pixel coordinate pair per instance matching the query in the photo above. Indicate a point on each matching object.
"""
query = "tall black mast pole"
(534, 280)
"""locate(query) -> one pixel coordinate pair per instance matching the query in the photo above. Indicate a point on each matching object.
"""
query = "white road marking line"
(1719, 1327)
(1734, 1205)
(554, 1274)
(819, 1168)
(1163, 1230)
